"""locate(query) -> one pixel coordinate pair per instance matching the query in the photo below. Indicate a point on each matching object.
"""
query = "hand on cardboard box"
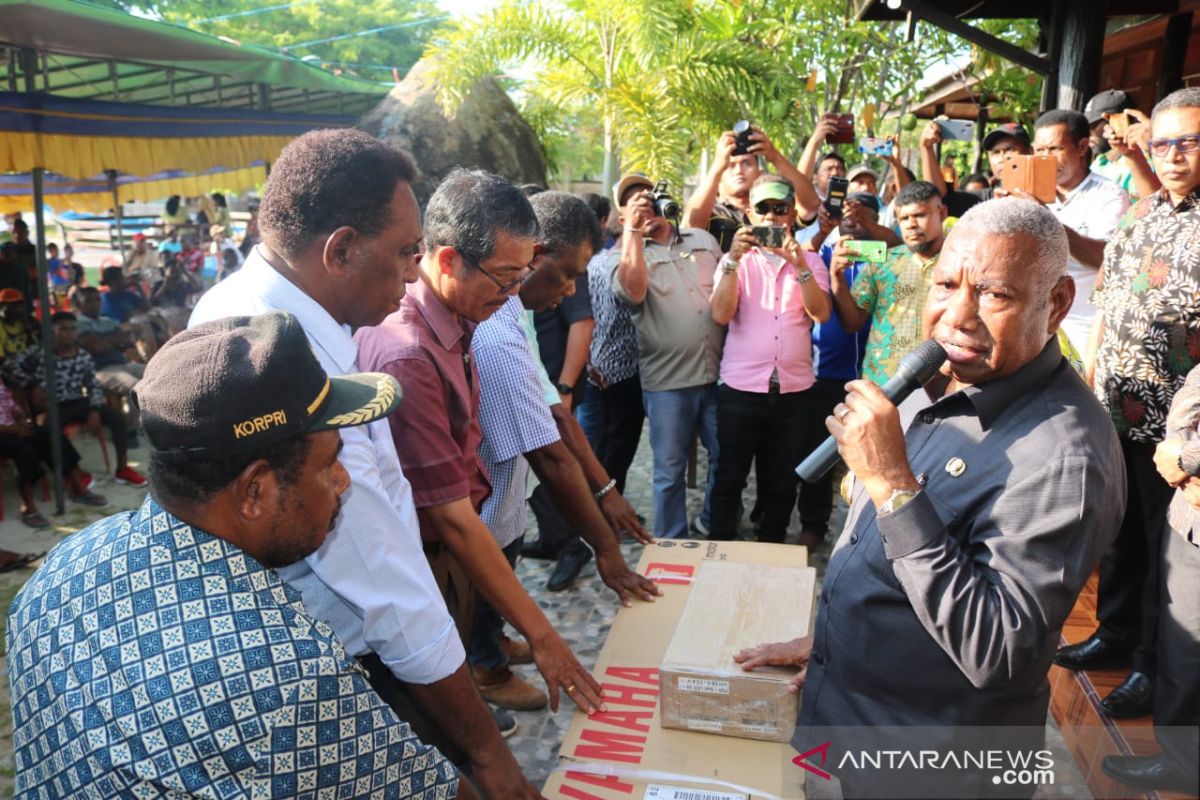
(617, 576)
(779, 654)
(561, 670)
(623, 518)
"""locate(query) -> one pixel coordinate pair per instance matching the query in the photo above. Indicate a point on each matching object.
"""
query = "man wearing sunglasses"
(1144, 342)
(480, 232)
(770, 296)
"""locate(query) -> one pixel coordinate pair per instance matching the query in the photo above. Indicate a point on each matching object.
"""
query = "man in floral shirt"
(1146, 339)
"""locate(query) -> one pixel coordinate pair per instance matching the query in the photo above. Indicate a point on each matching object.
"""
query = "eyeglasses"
(1182, 145)
(504, 288)
(767, 207)
(1005, 151)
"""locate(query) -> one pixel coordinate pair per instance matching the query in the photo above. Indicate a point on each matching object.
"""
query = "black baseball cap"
(1106, 102)
(1007, 129)
(247, 382)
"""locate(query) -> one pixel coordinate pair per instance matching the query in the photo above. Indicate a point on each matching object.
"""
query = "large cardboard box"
(625, 753)
(732, 606)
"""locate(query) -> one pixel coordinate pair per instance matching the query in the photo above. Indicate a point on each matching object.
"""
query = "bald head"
(1043, 236)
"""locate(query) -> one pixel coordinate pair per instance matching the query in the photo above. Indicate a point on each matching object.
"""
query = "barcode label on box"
(710, 725)
(657, 791)
(703, 686)
(759, 727)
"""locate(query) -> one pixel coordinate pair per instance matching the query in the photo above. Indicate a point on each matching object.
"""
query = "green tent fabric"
(86, 51)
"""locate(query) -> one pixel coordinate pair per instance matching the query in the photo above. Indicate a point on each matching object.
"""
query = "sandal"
(20, 561)
(34, 519)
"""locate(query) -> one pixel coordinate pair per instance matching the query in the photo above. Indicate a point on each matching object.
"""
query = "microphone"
(915, 370)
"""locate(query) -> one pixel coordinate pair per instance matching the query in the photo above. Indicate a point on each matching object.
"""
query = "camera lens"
(742, 126)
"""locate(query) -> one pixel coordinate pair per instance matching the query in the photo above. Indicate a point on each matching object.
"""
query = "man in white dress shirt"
(341, 235)
(1088, 205)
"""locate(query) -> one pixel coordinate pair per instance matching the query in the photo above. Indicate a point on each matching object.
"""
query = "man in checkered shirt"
(157, 653)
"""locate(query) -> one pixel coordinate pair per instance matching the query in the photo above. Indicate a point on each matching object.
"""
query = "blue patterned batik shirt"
(149, 659)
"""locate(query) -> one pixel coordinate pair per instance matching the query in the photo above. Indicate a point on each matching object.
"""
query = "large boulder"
(487, 131)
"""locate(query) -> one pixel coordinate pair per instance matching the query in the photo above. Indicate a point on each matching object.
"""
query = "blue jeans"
(588, 414)
(675, 415)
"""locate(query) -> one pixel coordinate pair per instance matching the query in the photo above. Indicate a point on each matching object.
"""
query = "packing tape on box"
(647, 775)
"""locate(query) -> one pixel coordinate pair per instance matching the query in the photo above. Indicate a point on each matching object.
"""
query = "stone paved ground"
(581, 614)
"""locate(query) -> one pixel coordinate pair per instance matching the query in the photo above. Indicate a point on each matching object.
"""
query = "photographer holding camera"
(771, 293)
(665, 276)
(721, 203)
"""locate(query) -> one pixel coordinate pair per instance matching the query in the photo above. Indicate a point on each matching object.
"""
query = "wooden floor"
(1075, 703)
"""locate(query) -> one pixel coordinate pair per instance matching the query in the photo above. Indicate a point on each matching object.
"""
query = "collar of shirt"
(768, 260)
(1084, 185)
(260, 278)
(446, 326)
(215, 555)
(991, 399)
(1163, 197)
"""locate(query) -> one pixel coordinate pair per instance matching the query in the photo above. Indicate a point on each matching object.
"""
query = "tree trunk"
(607, 178)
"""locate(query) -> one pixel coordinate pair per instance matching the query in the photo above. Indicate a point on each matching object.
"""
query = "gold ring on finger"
(570, 688)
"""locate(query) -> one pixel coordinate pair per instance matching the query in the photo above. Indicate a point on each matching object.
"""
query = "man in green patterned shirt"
(891, 295)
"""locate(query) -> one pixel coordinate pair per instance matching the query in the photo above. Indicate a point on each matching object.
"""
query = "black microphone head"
(923, 363)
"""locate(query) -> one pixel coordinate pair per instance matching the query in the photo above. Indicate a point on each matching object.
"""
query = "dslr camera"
(664, 205)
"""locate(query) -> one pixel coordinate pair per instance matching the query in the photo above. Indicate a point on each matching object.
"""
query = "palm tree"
(657, 73)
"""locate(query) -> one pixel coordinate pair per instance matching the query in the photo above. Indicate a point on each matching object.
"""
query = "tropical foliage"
(655, 82)
(374, 39)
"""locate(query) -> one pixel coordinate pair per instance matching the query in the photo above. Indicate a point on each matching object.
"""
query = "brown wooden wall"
(1133, 59)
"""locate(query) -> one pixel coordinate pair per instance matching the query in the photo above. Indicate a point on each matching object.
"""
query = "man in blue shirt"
(158, 653)
(119, 302)
(837, 358)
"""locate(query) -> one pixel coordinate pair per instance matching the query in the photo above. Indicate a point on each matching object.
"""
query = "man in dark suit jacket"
(980, 507)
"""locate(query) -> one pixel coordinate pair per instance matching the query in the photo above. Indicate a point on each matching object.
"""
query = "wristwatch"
(564, 388)
(728, 264)
(804, 277)
(897, 500)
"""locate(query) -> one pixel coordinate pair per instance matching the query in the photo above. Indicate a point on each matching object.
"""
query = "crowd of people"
(103, 337)
(342, 440)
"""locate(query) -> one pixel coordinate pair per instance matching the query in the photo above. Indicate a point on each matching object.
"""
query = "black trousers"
(620, 415)
(554, 532)
(766, 429)
(78, 410)
(1127, 594)
(1177, 689)
(816, 499)
(30, 453)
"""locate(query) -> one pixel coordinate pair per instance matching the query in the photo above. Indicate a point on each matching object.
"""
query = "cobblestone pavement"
(582, 614)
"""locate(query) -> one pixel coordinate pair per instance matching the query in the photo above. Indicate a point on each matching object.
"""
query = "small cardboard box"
(625, 753)
(733, 606)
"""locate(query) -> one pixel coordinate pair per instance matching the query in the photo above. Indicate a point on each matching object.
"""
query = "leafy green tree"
(393, 32)
(655, 74)
(666, 77)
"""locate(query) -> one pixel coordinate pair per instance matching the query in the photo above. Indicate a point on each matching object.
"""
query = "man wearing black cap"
(158, 650)
(1009, 139)
(1107, 162)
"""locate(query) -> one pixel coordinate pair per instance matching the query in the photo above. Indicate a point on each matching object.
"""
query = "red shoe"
(85, 479)
(129, 476)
